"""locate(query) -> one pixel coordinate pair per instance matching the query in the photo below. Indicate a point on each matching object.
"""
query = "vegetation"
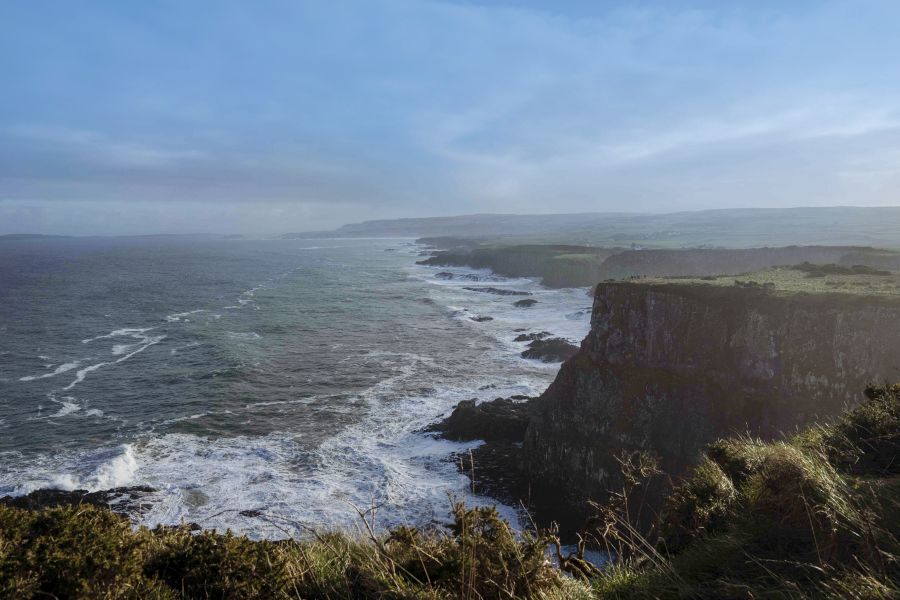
(90, 552)
(813, 270)
(805, 278)
(813, 516)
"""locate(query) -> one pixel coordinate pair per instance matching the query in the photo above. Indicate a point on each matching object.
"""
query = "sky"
(290, 115)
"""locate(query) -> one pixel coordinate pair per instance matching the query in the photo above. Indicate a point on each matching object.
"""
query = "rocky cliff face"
(671, 367)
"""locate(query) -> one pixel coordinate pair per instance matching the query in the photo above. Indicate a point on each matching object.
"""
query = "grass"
(813, 279)
(89, 552)
(815, 515)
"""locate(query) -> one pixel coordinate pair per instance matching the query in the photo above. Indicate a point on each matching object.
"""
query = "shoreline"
(507, 348)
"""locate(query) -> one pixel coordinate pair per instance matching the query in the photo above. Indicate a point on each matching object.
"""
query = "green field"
(791, 280)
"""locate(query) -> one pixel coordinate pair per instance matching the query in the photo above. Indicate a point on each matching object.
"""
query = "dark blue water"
(292, 376)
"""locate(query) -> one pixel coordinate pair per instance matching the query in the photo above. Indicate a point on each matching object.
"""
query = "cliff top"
(805, 278)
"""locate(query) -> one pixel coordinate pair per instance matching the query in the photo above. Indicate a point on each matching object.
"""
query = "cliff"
(669, 367)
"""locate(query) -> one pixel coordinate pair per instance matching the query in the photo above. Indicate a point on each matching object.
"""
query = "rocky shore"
(126, 501)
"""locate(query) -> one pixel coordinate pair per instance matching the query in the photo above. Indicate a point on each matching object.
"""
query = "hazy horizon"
(869, 229)
(223, 118)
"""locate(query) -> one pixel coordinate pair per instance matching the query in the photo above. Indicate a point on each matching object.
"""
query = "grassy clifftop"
(806, 278)
(815, 515)
(573, 266)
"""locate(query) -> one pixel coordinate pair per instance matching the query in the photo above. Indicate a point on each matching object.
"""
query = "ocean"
(290, 377)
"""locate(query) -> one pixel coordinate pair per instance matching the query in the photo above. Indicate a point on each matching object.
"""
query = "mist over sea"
(292, 377)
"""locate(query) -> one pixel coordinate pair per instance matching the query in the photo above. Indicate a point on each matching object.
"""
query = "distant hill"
(746, 227)
(28, 236)
(480, 224)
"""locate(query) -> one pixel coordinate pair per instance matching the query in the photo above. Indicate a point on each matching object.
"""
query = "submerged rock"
(481, 318)
(525, 303)
(550, 350)
(530, 337)
(499, 419)
(497, 291)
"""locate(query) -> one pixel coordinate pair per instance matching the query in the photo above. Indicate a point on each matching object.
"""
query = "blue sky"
(269, 116)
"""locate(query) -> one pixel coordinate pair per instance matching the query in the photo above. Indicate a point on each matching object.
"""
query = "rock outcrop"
(128, 501)
(550, 350)
(502, 419)
(497, 291)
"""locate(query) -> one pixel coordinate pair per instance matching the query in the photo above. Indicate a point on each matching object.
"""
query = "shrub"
(738, 458)
(209, 565)
(797, 502)
(866, 441)
(72, 552)
(698, 505)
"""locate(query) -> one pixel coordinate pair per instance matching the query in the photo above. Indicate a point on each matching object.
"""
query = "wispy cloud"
(423, 107)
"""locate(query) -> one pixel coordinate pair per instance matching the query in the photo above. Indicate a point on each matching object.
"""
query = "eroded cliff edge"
(669, 367)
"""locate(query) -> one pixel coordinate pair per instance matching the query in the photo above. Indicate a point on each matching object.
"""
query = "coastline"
(436, 457)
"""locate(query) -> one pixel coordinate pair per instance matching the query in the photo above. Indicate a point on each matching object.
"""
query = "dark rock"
(500, 419)
(481, 319)
(497, 291)
(525, 303)
(444, 275)
(531, 337)
(551, 350)
(495, 470)
(128, 501)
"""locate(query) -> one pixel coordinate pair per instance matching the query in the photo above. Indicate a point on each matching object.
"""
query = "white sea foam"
(119, 349)
(60, 369)
(150, 341)
(66, 408)
(174, 351)
(129, 331)
(382, 457)
(564, 312)
(174, 318)
(82, 373)
(243, 335)
(91, 470)
(63, 481)
(146, 342)
(118, 472)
